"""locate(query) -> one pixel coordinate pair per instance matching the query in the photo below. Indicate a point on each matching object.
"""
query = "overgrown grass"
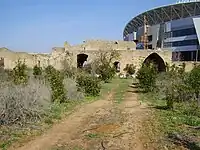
(180, 121)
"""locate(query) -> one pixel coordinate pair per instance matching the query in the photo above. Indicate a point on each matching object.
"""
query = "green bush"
(19, 73)
(147, 77)
(89, 84)
(130, 69)
(193, 81)
(55, 79)
(37, 71)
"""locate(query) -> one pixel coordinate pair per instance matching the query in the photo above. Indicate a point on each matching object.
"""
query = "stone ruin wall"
(59, 54)
(128, 52)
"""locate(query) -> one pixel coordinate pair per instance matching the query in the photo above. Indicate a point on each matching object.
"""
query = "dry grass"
(71, 88)
(24, 108)
(23, 103)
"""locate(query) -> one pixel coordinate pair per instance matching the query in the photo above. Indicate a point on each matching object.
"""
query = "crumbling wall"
(127, 49)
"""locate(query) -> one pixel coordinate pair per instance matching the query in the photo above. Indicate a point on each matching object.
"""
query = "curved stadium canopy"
(163, 14)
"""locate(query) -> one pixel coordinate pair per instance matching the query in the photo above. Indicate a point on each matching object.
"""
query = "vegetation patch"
(175, 103)
(31, 103)
(92, 135)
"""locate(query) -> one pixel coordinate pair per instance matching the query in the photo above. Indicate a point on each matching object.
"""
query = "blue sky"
(39, 25)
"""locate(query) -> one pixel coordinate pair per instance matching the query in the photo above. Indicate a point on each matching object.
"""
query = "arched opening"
(117, 66)
(157, 61)
(81, 59)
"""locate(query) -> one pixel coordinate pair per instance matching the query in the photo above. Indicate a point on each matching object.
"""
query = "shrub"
(147, 77)
(37, 71)
(172, 86)
(130, 69)
(89, 84)
(19, 73)
(193, 81)
(6, 75)
(20, 104)
(55, 79)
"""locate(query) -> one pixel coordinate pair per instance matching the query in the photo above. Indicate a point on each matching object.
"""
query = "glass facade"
(181, 43)
(178, 33)
(185, 43)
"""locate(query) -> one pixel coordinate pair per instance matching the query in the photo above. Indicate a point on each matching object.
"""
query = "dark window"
(167, 35)
(167, 44)
(150, 47)
(181, 43)
(184, 32)
(185, 43)
(150, 37)
(177, 33)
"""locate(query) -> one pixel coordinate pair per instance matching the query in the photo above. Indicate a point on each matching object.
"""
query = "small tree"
(130, 69)
(55, 79)
(104, 64)
(19, 73)
(147, 77)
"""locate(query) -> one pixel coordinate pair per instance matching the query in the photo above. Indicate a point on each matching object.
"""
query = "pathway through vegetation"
(104, 124)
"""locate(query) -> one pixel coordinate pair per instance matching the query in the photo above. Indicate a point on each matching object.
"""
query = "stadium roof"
(164, 14)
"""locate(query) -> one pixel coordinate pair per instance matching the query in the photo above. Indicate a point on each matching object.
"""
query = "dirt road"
(101, 125)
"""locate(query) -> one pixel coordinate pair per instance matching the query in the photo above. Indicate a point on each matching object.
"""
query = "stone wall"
(127, 50)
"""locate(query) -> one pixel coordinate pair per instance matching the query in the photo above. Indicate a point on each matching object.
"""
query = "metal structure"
(163, 14)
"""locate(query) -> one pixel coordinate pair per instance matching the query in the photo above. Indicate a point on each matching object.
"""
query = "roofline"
(159, 7)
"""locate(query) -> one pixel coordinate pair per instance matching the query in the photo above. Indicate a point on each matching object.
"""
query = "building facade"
(175, 27)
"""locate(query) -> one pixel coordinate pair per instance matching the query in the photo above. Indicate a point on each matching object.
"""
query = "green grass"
(119, 94)
(178, 120)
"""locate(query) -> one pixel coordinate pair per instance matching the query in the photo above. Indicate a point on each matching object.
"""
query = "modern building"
(175, 27)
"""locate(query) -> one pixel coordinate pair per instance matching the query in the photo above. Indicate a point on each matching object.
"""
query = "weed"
(92, 135)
